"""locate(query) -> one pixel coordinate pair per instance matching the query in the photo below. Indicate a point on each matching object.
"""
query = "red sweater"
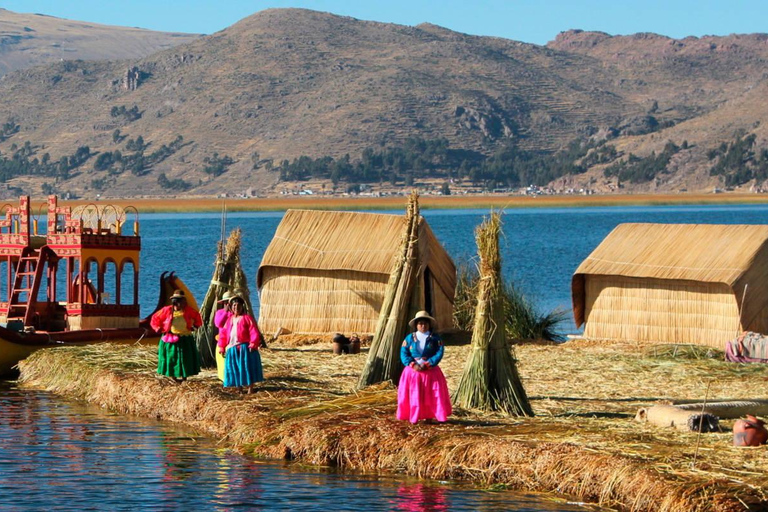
(161, 321)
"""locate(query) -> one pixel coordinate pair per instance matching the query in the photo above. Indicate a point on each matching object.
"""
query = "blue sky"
(533, 21)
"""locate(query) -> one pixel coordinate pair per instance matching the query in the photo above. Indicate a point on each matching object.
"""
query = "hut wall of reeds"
(78, 323)
(674, 283)
(326, 272)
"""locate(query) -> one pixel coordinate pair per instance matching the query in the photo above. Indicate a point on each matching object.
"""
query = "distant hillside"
(223, 113)
(28, 40)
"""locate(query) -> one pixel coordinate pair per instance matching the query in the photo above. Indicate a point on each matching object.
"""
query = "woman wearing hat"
(239, 341)
(423, 392)
(177, 352)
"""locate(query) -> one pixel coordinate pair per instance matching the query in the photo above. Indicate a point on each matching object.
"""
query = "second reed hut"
(674, 283)
(326, 272)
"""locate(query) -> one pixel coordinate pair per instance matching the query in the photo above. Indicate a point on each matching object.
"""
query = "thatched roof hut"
(327, 272)
(674, 283)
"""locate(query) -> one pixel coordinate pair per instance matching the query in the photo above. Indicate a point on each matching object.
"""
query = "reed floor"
(583, 441)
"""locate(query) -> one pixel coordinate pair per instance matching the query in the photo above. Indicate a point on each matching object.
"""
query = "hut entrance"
(428, 291)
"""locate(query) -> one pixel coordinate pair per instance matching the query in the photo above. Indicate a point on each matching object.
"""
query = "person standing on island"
(239, 341)
(219, 320)
(423, 391)
(177, 355)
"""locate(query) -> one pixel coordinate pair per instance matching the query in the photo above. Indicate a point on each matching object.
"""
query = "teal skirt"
(242, 367)
(180, 359)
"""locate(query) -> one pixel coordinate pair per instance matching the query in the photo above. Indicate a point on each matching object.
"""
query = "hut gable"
(687, 264)
(694, 252)
(326, 271)
(322, 240)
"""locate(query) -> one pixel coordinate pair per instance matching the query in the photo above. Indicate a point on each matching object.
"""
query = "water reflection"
(421, 498)
(57, 455)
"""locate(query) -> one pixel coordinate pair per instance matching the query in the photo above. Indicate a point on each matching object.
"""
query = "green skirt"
(180, 359)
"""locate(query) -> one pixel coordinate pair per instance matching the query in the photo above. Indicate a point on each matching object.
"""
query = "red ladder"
(29, 272)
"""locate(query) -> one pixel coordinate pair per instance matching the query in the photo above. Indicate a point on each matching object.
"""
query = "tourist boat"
(77, 242)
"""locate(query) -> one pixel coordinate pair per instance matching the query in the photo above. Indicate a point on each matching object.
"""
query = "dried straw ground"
(426, 202)
(583, 441)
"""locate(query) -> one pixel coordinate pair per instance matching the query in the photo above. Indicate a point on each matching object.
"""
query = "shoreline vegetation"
(582, 443)
(426, 202)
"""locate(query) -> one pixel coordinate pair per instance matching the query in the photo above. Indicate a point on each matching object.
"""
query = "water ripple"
(57, 455)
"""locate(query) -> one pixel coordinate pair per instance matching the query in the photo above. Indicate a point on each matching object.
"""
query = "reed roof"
(734, 255)
(363, 242)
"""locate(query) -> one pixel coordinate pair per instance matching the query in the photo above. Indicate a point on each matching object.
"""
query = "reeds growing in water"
(490, 380)
(522, 320)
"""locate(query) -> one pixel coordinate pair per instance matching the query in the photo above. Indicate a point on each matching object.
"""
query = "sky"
(531, 21)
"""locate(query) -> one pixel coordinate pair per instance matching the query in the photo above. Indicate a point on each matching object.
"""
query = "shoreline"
(171, 205)
(582, 443)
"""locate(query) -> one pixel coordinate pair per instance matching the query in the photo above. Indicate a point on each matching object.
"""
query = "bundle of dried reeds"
(490, 380)
(384, 357)
(228, 275)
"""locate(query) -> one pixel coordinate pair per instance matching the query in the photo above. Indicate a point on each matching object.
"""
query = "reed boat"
(47, 298)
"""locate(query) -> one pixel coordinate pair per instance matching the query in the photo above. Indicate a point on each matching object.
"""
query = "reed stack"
(490, 380)
(383, 363)
(228, 275)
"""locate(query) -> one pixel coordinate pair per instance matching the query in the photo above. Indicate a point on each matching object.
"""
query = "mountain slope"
(28, 40)
(289, 82)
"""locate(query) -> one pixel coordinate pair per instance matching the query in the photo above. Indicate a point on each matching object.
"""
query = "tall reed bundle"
(384, 356)
(228, 275)
(238, 283)
(490, 380)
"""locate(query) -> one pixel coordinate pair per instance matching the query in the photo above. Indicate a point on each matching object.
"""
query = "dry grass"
(426, 202)
(583, 441)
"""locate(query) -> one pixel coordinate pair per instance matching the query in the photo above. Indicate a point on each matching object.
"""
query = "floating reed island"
(582, 442)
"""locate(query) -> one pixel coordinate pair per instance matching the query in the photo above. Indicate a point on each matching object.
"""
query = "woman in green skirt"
(177, 352)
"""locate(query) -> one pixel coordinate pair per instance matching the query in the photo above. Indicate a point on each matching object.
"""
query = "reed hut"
(326, 272)
(674, 283)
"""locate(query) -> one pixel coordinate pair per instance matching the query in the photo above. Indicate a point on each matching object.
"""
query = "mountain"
(29, 40)
(221, 113)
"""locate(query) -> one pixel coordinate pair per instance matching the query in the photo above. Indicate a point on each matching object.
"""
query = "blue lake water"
(59, 455)
(541, 249)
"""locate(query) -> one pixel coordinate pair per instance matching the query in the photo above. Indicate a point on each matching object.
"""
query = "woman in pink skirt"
(423, 392)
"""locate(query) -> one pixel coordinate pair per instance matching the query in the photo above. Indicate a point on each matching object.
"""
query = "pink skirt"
(423, 395)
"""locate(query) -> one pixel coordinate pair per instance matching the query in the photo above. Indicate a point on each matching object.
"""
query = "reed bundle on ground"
(228, 275)
(383, 363)
(490, 380)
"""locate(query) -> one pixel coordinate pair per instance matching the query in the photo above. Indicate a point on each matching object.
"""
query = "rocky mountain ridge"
(222, 113)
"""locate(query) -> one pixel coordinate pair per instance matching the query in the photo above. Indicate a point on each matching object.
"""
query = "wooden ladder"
(29, 273)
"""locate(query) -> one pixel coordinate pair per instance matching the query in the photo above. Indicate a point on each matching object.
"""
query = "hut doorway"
(428, 291)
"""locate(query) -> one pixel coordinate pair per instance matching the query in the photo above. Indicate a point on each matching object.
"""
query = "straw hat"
(423, 314)
(178, 294)
(226, 297)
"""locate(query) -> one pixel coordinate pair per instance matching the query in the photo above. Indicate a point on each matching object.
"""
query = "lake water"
(58, 455)
(61, 455)
(541, 249)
